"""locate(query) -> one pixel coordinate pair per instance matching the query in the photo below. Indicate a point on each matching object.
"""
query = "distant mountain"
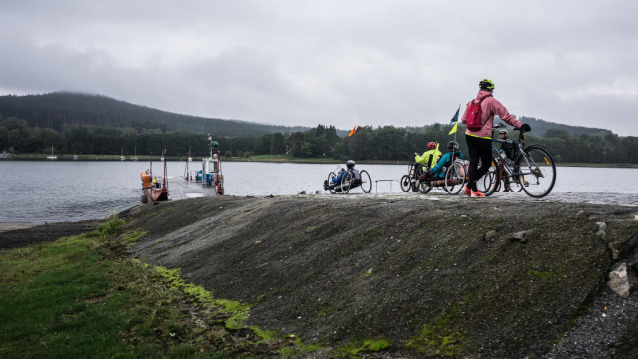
(541, 128)
(65, 110)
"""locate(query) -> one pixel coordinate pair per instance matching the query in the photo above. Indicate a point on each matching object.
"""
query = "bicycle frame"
(521, 152)
(412, 169)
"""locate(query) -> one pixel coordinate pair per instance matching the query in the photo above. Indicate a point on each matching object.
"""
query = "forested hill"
(542, 128)
(552, 129)
(62, 111)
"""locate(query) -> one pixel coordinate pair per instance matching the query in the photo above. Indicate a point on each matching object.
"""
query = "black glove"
(525, 128)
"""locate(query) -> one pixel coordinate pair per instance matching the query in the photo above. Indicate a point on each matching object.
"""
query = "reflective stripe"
(469, 134)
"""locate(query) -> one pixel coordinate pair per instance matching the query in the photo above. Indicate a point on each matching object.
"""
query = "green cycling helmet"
(486, 84)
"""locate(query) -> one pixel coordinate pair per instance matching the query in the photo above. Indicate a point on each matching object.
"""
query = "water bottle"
(503, 155)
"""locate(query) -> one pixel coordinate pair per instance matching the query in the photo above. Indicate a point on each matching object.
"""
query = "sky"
(340, 63)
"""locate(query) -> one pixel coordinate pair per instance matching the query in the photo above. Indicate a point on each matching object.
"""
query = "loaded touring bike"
(530, 168)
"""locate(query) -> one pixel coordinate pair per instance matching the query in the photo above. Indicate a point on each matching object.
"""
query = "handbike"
(349, 181)
(453, 181)
(408, 182)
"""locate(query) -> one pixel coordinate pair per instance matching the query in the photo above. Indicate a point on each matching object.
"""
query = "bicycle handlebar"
(502, 141)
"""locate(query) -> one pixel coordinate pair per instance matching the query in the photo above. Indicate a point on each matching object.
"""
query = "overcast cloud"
(341, 63)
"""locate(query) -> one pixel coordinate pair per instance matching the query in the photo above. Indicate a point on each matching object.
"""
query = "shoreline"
(12, 226)
(266, 159)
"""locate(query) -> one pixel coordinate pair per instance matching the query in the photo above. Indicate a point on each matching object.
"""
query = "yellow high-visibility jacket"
(428, 158)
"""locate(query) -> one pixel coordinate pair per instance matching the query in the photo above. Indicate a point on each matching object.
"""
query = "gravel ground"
(601, 329)
(343, 268)
(15, 238)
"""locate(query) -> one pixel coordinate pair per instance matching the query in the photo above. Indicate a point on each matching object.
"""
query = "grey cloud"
(404, 63)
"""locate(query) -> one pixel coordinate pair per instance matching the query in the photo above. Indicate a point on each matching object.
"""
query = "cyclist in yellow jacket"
(430, 157)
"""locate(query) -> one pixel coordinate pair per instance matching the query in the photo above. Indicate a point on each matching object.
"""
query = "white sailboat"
(52, 157)
(135, 155)
(122, 158)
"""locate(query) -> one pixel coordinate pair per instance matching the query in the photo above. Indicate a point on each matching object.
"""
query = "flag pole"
(457, 121)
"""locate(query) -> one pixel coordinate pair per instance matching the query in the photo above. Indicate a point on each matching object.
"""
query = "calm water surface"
(38, 192)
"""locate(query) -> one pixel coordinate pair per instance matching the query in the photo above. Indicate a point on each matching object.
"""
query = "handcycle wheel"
(419, 170)
(425, 187)
(346, 182)
(488, 183)
(331, 176)
(406, 183)
(455, 178)
(366, 181)
(542, 177)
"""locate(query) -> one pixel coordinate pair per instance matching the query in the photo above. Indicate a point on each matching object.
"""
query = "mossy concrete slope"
(429, 277)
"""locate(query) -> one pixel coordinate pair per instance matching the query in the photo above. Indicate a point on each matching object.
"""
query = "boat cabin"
(209, 170)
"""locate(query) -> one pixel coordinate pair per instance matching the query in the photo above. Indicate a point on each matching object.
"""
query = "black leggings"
(478, 148)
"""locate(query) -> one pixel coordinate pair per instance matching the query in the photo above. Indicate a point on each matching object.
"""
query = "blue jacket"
(445, 161)
(338, 178)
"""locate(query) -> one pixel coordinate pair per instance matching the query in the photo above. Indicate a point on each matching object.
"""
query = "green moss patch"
(437, 339)
(369, 345)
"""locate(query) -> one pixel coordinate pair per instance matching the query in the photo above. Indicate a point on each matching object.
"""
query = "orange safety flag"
(352, 132)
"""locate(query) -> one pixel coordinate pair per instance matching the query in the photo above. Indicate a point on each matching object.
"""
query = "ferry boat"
(211, 172)
(154, 188)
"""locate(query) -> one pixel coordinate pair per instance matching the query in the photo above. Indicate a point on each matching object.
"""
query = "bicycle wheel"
(331, 184)
(539, 176)
(346, 182)
(366, 181)
(425, 187)
(488, 183)
(406, 184)
(508, 183)
(454, 178)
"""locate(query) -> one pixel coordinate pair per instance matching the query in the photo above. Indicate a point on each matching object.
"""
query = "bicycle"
(415, 170)
(531, 168)
(349, 180)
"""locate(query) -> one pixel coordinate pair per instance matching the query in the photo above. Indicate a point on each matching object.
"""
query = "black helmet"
(350, 164)
(502, 132)
(453, 145)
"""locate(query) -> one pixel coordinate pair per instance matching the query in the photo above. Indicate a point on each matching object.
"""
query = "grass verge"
(82, 297)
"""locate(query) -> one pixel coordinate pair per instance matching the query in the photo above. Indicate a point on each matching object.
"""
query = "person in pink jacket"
(479, 143)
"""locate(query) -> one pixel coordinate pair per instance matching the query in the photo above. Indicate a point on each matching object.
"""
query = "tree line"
(63, 111)
(387, 143)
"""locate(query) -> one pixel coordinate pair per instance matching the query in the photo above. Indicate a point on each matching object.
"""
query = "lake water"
(38, 192)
